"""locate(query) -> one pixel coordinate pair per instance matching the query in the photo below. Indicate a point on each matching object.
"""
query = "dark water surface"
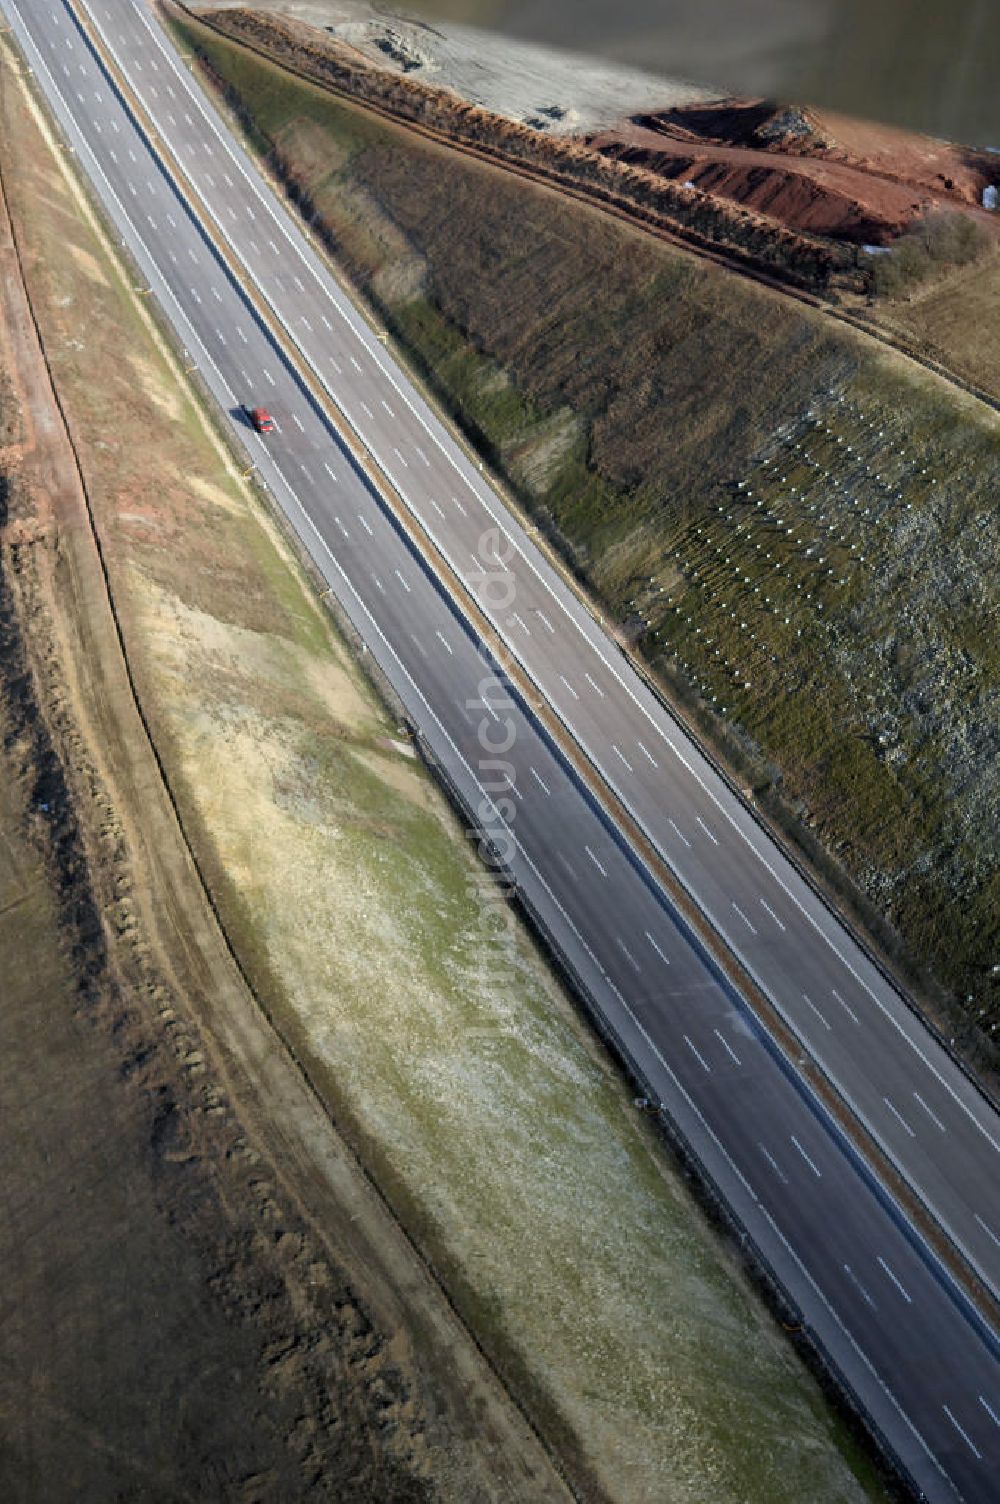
(930, 64)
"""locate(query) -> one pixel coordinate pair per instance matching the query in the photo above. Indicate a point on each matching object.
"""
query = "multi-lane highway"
(922, 1365)
(917, 1104)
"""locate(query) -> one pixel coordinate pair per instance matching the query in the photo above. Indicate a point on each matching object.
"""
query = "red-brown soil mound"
(825, 174)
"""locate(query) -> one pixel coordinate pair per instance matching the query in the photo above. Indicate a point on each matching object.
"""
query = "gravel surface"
(554, 91)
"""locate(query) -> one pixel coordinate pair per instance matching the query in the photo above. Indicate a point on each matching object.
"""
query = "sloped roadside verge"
(214, 1304)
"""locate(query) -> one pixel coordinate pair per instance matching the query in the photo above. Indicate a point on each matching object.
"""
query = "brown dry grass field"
(204, 1296)
(954, 319)
(795, 528)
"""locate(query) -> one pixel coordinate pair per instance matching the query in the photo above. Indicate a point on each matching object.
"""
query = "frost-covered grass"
(833, 604)
(505, 1140)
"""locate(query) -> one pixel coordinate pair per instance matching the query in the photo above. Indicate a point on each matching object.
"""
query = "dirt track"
(176, 1325)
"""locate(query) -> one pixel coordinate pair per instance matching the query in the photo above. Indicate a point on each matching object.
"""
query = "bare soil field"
(432, 1033)
(796, 529)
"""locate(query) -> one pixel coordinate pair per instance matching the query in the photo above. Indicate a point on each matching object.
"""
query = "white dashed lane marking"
(811, 1163)
(902, 1290)
(727, 1047)
(659, 952)
(697, 1055)
(768, 910)
(846, 1006)
(739, 911)
(822, 1018)
(899, 1118)
(933, 1117)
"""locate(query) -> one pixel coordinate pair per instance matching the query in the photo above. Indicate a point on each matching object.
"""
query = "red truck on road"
(261, 419)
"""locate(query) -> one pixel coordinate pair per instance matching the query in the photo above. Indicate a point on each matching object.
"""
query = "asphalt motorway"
(917, 1104)
(920, 1363)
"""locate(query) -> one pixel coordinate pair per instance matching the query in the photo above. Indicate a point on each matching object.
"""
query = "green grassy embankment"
(795, 529)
